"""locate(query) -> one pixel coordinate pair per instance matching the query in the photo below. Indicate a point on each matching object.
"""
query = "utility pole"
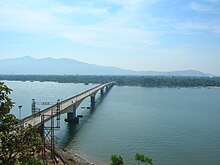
(20, 106)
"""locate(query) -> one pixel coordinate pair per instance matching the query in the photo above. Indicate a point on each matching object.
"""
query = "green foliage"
(147, 81)
(30, 161)
(30, 144)
(17, 143)
(116, 160)
(5, 102)
(141, 158)
(34, 161)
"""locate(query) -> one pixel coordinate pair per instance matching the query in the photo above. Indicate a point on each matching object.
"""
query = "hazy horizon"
(27, 63)
(139, 35)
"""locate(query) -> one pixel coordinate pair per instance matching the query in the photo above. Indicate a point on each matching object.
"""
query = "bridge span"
(68, 106)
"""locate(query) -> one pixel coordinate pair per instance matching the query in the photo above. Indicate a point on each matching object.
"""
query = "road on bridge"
(35, 119)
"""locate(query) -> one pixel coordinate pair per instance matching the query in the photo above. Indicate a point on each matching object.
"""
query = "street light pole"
(20, 106)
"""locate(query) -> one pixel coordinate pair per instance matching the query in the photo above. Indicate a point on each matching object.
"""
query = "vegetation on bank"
(18, 144)
(147, 81)
(116, 160)
(143, 159)
(140, 158)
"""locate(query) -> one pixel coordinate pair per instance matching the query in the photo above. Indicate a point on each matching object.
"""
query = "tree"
(138, 157)
(144, 159)
(148, 160)
(30, 144)
(116, 160)
(17, 143)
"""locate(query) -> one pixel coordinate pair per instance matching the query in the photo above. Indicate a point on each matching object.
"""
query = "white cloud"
(213, 1)
(206, 6)
(119, 37)
(119, 29)
(202, 7)
(90, 23)
(203, 26)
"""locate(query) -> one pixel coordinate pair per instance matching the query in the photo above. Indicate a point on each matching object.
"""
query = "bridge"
(68, 106)
(52, 113)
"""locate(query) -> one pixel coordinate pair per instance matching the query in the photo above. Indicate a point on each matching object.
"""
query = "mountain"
(50, 66)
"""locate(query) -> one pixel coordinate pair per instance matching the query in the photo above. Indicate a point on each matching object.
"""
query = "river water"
(173, 126)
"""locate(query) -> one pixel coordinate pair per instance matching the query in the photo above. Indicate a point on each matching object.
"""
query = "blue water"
(24, 92)
(172, 126)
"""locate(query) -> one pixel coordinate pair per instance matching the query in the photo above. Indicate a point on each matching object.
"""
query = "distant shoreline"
(129, 85)
(143, 81)
(213, 86)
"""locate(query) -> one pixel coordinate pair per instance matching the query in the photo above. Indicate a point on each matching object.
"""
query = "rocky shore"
(72, 158)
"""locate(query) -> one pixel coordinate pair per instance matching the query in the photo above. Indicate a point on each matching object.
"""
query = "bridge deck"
(35, 119)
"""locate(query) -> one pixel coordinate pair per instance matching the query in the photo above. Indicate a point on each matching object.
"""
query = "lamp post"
(20, 106)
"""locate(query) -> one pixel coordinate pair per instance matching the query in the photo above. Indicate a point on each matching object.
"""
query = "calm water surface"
(172, 126)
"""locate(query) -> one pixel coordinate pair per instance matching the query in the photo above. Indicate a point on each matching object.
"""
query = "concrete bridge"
(68, 106)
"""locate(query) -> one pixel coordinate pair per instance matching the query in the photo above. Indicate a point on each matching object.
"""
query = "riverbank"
(73, 158)
(213, 87)
(64, 158)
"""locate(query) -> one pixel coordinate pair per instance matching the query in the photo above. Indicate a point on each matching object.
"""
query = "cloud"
(207, 19)
(200, 27)
(119, 37)
(88, 23)
(24, 18)
(199, 7)
(63, 9)
(113, 24)
(118, 30)
(188, 18)
(213, 1)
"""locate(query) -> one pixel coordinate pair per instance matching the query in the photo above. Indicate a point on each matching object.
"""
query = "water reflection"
(69, 131)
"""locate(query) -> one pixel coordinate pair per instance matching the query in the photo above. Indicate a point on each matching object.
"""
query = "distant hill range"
(49, 66)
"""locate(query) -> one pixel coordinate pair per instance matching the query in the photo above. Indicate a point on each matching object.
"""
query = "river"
(173, 126)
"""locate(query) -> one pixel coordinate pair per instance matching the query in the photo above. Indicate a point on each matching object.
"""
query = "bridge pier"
(71, 116)
(92, 98)
(102, 92)
(108, 88)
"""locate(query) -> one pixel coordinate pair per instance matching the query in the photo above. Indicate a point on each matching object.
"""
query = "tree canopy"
(144, 159)
(116, 160)
(18, 144)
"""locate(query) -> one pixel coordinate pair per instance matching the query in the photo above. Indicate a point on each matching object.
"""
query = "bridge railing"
(87, 91)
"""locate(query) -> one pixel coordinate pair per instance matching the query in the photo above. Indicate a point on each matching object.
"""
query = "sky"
(150, 35)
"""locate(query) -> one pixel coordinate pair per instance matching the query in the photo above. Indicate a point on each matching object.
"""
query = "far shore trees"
(126, 80)
(18, 144)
